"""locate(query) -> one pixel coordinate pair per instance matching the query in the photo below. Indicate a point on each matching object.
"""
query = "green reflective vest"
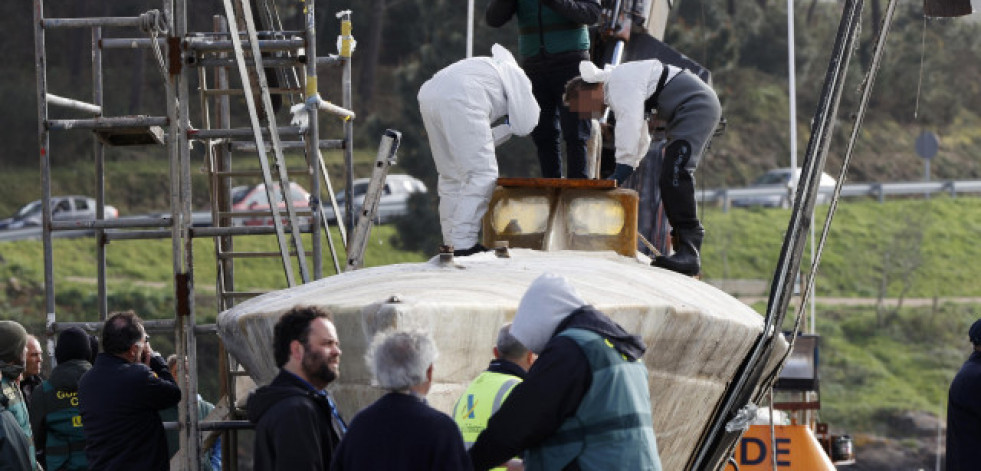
(537, 23)
(481, 400)
(17, 407)
(64, 445)
(612, 427)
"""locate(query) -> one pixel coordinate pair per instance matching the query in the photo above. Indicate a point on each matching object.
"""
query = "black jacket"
(400, 432)
(119, 401)
(964, 417)
(551, 391)
(499, 365)
(64, 377)
(294, 426)
(585, 12)
(28, 385)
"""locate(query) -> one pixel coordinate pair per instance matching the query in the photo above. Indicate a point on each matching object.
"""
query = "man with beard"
(297, 424)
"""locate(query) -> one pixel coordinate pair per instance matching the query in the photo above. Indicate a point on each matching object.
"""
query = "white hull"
(697, 335)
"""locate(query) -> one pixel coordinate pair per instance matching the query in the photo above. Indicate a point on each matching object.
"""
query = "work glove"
(621, 173)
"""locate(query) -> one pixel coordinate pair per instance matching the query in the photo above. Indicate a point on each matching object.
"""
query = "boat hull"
(697, 336)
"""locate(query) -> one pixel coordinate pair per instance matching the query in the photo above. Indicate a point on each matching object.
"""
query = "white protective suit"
(458, 105)
(627, 86)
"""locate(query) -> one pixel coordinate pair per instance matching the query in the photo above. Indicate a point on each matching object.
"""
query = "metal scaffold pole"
(174, 52)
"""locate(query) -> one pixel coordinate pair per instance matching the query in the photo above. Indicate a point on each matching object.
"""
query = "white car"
(63, 208)
(783, 182)
(394, 200)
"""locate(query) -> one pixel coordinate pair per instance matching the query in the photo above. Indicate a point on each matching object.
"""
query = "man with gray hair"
(400, 430)
(486, 393)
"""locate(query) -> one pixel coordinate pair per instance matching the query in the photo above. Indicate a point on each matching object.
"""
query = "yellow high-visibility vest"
(481, 400)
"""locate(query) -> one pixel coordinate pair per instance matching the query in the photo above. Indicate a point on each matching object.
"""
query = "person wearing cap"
(585, 403)
(487, 392)
(458, 105)
(635, 91)
(55, 418)
(31, 378)
(964, 410)
(119, 399)
(16, 448)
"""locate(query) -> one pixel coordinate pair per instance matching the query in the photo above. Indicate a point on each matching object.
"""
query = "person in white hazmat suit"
(634, 91)
(458, 106)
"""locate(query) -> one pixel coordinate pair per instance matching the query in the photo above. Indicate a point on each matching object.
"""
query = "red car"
(253, 198)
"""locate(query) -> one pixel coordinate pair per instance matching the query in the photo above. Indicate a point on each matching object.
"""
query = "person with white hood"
(635, 91)
(585, 403)
(459, 104)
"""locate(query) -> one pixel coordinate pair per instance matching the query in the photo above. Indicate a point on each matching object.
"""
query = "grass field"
(875, 362)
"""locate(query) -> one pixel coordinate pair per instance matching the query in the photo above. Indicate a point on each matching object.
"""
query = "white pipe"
(470, 28)
(792, 82)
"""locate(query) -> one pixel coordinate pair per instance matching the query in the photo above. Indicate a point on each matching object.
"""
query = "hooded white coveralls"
(458, 105)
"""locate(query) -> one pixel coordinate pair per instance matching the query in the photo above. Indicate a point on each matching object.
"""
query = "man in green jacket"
(16, 449)
(55, 418)
(553, 40)
(585, 403)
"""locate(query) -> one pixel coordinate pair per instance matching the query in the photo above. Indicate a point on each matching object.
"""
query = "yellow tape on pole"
(311, 89)
(346, 38)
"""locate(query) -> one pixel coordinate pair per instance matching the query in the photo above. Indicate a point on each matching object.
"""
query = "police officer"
(488, 391)
(55, 418)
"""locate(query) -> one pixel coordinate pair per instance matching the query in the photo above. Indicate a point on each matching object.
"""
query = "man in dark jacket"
(964, 410)
(119, 399)
(553, 40)
(55, 419)
(297, 424)
(585, 403)
(400, 430)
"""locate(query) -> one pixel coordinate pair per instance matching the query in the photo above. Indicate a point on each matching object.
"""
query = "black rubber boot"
(678, 196)
(477, 248)
(685, 259)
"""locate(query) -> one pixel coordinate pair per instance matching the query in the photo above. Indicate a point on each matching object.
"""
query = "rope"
(154, 24)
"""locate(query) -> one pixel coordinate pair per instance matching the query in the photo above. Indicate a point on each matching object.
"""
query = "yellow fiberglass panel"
(595, 216)
(524, 215)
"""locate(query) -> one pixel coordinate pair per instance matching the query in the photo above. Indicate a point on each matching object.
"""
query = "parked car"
(254, 198)
(784, 183)
(63, 208)
(394, 200)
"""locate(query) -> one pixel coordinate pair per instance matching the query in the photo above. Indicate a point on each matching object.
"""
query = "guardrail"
(725, 196)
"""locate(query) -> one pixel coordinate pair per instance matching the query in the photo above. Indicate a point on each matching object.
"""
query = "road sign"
(927, 145)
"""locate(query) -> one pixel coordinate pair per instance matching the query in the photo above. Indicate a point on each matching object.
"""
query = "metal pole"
(348, 102)
(98, 149)
(45, 159)
(226, 242)
(313, 137)
(792, 82)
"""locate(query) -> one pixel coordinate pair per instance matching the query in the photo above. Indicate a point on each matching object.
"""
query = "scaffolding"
(273, 67)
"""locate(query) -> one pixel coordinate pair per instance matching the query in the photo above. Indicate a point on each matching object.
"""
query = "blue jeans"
(548, 75)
